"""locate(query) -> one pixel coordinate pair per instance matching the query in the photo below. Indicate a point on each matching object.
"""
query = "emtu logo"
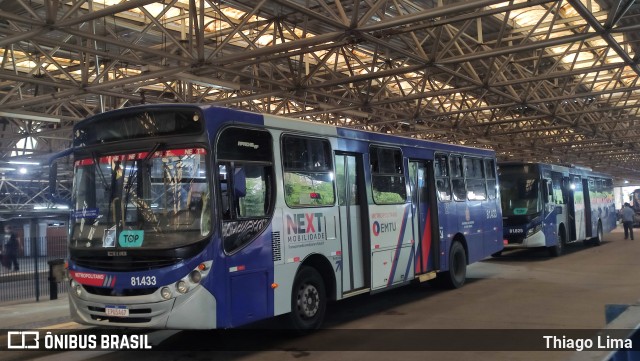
(378, 227)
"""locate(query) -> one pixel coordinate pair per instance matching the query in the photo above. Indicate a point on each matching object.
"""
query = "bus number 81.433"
(143, 281)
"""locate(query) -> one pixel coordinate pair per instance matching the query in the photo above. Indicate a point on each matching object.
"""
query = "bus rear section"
(551, 206)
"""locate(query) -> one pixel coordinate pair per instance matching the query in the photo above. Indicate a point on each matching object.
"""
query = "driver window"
(245, 185)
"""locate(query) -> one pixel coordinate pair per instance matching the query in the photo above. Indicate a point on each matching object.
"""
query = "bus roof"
(285, 123)
(573, 169)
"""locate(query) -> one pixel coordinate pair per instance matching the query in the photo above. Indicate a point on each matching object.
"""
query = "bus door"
(578, 201)
(571, 211)
(575, 208)
(352, 207)
(424, 216)
(587, 209)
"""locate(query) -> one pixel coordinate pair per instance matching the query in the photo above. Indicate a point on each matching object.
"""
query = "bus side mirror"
(52, 194)
(239, 182)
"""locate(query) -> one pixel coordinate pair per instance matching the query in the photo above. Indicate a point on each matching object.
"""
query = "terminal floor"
(523, 289)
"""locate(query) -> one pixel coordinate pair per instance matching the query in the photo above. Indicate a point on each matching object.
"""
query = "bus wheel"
(556, 251)
(457, 273)
(308, 300)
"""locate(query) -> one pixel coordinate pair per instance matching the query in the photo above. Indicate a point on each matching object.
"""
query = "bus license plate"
(117, 311)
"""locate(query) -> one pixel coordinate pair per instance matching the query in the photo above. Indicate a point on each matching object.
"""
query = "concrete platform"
(32, 315)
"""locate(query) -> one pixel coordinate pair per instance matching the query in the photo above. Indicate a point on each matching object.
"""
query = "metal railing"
(31, 281)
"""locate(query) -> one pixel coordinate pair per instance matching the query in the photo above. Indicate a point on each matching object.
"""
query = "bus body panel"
(492, 230)
(448, 230)
(472, 228)
(392, 245)
(370, 247)
(252, 265)
(248, 296)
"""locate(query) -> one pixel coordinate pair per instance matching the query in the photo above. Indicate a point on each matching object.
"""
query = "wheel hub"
(308, 301)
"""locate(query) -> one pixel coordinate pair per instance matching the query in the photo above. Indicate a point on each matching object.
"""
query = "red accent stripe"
(426, 242)
(88, 278)
(142, 155)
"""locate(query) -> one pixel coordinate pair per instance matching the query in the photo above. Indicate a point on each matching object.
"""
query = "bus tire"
(558, 249)
(457, 273)
(308, 300)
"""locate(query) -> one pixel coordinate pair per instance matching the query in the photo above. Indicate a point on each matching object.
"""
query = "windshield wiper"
(96, 163)
(133, 173)
(139, 203)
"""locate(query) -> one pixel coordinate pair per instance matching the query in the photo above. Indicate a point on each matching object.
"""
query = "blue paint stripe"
(396, 256)
(409, 263)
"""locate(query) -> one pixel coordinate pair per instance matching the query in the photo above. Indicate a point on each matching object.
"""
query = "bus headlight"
(165, 293)
(534, 230)
(182, 286)
(195, 276)
(78, 289)
(190, 281)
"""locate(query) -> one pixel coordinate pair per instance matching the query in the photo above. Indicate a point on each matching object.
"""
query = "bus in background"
(199, 217)
(546, 205)
(635, 204)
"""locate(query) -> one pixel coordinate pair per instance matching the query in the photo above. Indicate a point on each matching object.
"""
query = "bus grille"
(102, 291)
(275, 245)
(140, 313)
(121, 319)
(110, 264)
(515, 239)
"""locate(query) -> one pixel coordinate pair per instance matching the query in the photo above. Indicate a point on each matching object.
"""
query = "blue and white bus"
(546, 205)
(199, 217)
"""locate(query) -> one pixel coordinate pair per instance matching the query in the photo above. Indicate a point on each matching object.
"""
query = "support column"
(42, 237)
(26, 237)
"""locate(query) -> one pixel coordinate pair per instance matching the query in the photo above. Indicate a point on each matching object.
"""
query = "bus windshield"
(520, 195)
(148, 200)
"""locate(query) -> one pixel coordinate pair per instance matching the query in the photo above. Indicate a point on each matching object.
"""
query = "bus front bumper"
(193, 310)
(535, 240)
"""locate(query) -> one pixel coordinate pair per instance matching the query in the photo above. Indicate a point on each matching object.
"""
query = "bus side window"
(224, 192)
(475, 179)
(443, 185)
(556, 188)
(444, 191)
(246, 184)
(308, 172)
(547, 191)
(387, 175)
(489, 166)
(457, 178)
